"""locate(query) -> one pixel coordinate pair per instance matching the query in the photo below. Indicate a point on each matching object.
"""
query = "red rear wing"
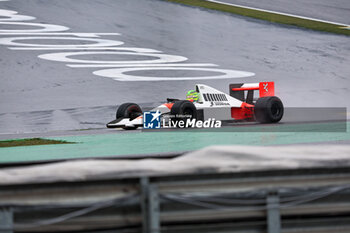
(265, 89)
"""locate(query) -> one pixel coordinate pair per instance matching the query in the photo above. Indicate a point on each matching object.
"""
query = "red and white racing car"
(239, 105)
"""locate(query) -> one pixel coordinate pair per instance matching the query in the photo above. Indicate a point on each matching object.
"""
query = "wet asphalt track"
(310, 68)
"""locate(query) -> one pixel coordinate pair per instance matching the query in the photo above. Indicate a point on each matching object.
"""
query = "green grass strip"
(271, 17)
(31, 142)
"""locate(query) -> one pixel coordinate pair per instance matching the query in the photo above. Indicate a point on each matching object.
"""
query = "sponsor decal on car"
(219, 104)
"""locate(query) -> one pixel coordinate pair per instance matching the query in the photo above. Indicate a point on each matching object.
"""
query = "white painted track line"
(280, 13)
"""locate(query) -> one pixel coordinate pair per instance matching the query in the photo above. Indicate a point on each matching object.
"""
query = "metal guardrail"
(306, 200)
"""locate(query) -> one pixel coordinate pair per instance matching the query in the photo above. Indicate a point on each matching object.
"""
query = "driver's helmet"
(192, 96)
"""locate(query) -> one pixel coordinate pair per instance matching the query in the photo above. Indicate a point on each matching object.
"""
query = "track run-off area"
(137, 143)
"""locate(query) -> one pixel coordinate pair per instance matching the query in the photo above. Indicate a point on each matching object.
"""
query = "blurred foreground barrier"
(313, 198)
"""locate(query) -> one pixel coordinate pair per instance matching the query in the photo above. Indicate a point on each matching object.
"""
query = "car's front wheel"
(129, 110)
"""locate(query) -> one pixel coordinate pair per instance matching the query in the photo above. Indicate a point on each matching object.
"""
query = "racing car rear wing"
(237, 90)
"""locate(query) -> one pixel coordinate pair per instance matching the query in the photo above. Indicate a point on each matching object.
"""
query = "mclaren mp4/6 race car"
(208, 103)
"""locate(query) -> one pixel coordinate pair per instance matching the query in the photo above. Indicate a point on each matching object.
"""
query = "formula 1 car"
(239, 105)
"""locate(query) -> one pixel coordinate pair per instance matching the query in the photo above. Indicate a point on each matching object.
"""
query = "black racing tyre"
(129, 110)
(183, 110)
(268, 109)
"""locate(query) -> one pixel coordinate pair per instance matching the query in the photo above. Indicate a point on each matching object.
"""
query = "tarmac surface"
(43, 94)
(335, 10)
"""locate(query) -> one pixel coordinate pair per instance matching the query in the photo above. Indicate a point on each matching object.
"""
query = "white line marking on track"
(279, 13)
(119, 74)
(98, 42)
(134, 49)
(77, 34)
(13, 16)
(141, 50)
(143, 65)
(161, 58)
(42, 27)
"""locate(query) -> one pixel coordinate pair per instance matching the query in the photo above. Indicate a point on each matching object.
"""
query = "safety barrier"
(304, 200)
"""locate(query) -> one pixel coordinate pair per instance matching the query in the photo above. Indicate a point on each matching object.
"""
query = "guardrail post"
(273, 213)
(6, 220)
(144, 183)
(153, 209)
(150, 207)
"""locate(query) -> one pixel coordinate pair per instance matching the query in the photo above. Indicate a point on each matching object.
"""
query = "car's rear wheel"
(268, 109)
(129, 110)
(183, 110)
